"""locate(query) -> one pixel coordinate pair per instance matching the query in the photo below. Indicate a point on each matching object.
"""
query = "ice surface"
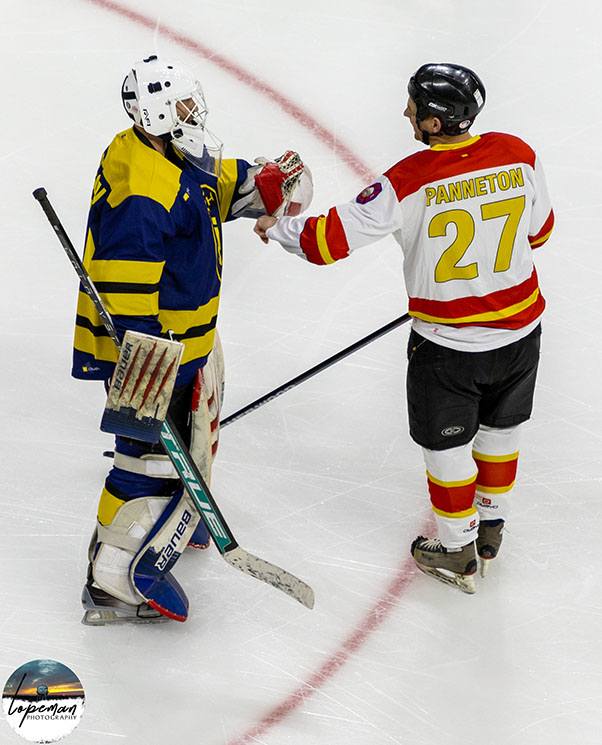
(323, 481)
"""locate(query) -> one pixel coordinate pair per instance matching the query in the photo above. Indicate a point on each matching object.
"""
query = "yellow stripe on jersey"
(451, 484)
(226, 185)
(131, 304)
(465, 513)
(98, 347)
(138, 272)
(541, 240)
(495, 315)
(197, 347)
(120, 304)
(183, 321)
(321, 240)
(179, 321)
(495, 458)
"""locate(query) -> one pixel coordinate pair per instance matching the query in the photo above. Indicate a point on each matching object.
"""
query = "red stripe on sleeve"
(309, 242)
(328, 246)
(542, 236)
(336, 240)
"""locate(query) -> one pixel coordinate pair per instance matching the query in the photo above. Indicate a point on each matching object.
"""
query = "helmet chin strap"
(425, 135)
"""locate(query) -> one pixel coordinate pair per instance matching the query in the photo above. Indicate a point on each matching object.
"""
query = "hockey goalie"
(154, 252)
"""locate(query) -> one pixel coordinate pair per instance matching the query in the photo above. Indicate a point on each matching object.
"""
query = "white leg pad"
(207, 406)
(120, 542)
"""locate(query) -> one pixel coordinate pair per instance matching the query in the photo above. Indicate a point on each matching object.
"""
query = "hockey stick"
(181, 458)
(314, 370)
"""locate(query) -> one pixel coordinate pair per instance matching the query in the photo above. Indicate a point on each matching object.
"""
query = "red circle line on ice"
(382, 608)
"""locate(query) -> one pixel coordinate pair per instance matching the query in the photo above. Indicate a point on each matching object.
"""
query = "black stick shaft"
(87, 285)
(315, 370)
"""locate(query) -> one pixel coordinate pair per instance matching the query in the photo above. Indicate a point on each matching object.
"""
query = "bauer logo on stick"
(141, 388)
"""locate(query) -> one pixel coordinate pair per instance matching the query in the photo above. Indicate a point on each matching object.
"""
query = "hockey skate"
(489, 541)
(102, 609)
(455, 567)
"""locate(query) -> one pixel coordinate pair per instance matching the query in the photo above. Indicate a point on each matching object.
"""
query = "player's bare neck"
(448, 139)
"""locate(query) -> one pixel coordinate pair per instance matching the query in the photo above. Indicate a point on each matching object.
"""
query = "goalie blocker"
(141, 387)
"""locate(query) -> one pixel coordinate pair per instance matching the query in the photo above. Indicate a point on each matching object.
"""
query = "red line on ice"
(373, 619)
(254, 82)
(387, 602)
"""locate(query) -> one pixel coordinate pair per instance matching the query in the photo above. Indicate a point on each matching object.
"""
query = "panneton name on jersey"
(479, 186)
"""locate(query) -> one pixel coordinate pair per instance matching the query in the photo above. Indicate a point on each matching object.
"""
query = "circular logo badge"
(43, 701)
(369, 193)
(451, 431)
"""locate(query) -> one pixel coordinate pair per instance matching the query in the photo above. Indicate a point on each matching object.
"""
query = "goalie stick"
(179, 455)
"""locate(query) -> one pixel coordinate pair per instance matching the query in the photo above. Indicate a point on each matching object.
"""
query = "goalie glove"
(275, 187)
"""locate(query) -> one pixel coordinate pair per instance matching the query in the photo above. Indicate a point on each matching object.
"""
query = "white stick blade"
(271, 574)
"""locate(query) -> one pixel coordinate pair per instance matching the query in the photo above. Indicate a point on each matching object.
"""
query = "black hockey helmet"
(452, 93)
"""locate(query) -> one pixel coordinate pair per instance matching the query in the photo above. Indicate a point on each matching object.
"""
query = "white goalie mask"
(166, 100)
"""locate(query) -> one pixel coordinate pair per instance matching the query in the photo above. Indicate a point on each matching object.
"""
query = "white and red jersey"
(467, 217)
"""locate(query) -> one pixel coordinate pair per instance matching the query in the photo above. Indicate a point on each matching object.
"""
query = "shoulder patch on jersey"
(369, 193)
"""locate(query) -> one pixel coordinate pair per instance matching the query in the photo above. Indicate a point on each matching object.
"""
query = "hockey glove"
(280, 187)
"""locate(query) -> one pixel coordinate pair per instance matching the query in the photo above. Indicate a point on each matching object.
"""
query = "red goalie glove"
(275, 187)
(277, 181)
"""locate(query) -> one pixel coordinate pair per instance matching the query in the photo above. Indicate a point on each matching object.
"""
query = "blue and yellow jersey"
(154, 252)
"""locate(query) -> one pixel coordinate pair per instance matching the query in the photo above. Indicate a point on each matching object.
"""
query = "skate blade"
(110, 617)
(463, 582)
(112, 611)
(484, 565)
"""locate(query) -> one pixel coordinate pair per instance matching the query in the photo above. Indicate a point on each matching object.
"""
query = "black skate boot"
(489, 541)
(455, 567)
(102, 609)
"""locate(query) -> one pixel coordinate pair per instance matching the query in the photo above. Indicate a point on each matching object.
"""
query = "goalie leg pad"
(118, 542)
(130, 532)
(206, 409)
(150, 569)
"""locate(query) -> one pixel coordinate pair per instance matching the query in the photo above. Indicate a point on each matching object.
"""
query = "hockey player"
(467, 213)
(154, 251)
